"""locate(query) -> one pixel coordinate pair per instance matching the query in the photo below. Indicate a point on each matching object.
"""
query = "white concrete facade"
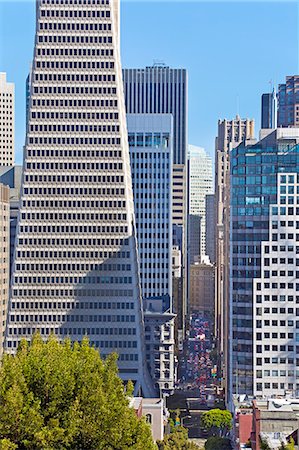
(200, 184)
(75, 270)
(150, 144)
(276, 298)
(4, 260)
(7, 121)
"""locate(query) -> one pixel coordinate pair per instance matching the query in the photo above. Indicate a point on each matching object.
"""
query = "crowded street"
(197, 374)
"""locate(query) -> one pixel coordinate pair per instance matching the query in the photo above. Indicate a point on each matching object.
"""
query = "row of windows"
(155, 265)
(59, 242)
(49, 178)
(75, 13)
(75, 115)
(145, 165)
(266, 323)
(259, 387)
(148, 139)
(74, 52)
(75, 2)
(72, 305)
(283, 236)
(275, 286)
(56, 229)
(65, 191)
(283, 223)
(266, 310)
(136, 156)
(75, 65)
(274, 298)
(65, 280)
(74, 141)
(20, 318)
(48, 331)
(36, 267)
(95, 191)
(46, 254)
(79, 26)
(35, 293)
(74, 204)
(74, 90)
(275, 360)
(75, 103)
(275, 373)
(73, 77)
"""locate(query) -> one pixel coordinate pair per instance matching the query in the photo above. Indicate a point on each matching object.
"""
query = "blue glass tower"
(254, 171)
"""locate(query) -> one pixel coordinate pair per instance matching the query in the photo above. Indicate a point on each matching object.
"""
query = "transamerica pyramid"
(75, 269)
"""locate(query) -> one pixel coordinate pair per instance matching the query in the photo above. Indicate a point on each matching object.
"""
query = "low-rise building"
(159, 343)
(155, 412)
(273, 421)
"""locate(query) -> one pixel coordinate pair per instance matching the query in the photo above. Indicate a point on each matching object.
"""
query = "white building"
(4, 260)
(275, 294)
(200, 184)
(150, 144)
(155, 412)
(75, 270)
(7, 121)
(12, 177)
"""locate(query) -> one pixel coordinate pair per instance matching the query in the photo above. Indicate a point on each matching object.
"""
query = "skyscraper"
(75, 269)
(230, 134)
(7, 121)
(4, 260)
(254, 193)
(11, 177)
(275, 298)
(200, 184)
(194, 238)
(158, 89)
(150, 143)
(269, 110)
(288, 102)
(211, 227)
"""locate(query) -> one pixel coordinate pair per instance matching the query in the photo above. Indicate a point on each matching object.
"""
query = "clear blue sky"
(230, 49)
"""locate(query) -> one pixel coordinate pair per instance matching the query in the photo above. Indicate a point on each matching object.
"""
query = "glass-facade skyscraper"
(288, 102)
(254, 170)
(75, 268)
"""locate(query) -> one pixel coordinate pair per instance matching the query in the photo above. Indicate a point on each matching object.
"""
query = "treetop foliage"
(217, 420)
(60, 396)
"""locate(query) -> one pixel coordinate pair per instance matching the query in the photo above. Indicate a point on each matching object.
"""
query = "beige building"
(179, 220)
(155, 413)
(230, 134)
(202, 287)
(7, 121)
(4, 259)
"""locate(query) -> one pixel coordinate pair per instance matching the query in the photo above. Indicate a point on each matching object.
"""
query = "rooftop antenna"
(158, 63)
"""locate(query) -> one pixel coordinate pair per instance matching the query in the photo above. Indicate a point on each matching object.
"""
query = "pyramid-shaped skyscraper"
(75, 270)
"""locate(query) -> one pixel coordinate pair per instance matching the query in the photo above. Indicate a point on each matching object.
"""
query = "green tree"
(289, 446)
(218, 421)
(177, 440)
(264, 445)
(217, 443)
(59, 396)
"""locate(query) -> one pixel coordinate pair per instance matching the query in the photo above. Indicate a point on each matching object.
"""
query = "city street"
(197, 375)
